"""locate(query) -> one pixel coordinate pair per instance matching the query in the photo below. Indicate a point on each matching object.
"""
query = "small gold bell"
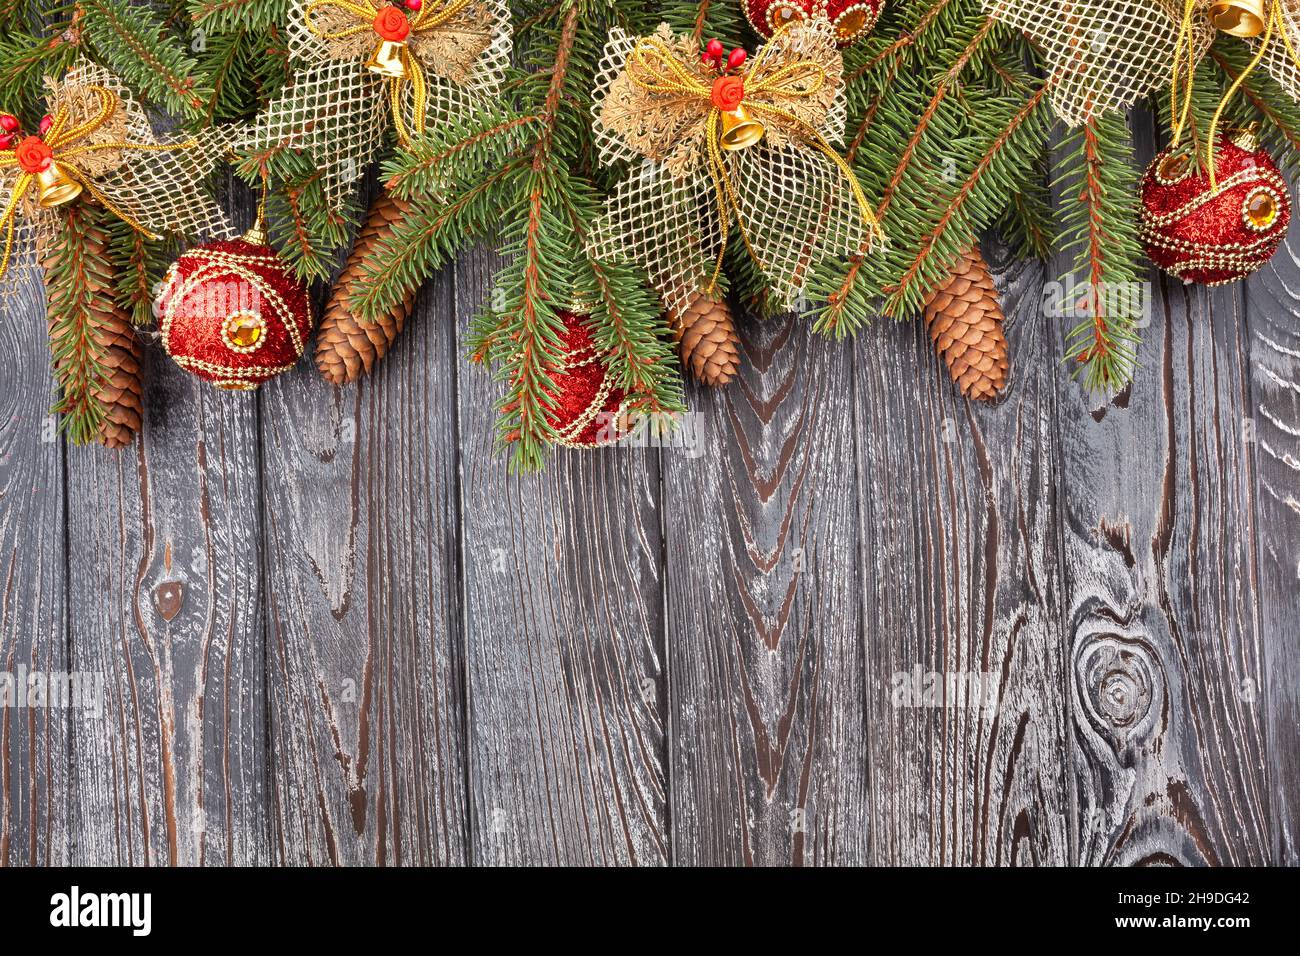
(1239, 18)
(388, 59)
(1246, 138)
(739, 129)
(56, 187)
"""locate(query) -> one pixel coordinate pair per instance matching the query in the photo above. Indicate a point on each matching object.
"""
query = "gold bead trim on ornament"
(855, 22)
(1174, 168)
(252, 371)
(1261, 218)
(1238, 178)
(244, 331)
(220, 263)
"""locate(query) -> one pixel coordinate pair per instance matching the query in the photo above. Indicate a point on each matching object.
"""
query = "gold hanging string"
(658, 69)
(1183, 75)
(429, 18)
(1182, 49)
(65, 145)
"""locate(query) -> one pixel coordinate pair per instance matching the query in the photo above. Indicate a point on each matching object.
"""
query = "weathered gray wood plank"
(34, 742)
(564, 628)
(365, 662)
(769, 750)
(165, 603)
(1272, 426)
(960, 554)
(1157, 491)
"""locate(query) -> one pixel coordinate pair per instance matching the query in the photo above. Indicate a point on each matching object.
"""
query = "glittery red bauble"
(1218, 235)
(852, 19)
(589, 406)
(233, 313)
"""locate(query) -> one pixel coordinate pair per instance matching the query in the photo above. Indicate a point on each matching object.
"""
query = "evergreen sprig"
(1098, 186)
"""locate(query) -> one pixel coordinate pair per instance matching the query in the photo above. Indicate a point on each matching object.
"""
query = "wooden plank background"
(334, 630)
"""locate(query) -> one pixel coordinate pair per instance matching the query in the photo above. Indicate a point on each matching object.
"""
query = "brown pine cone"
(111, 373)
(706, 340)
(345, 345)
(965, 320)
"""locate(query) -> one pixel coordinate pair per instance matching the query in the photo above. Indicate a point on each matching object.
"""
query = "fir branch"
(918, 276)
(73, 274)
(1099, 218)
(138, 48)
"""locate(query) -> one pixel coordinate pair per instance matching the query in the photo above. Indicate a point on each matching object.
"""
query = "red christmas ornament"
(852, 19)
(589, 409)
(233, 313)
(1213, 236)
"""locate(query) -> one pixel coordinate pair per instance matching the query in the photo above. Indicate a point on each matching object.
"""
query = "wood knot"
(168, 598)
(1119, 681)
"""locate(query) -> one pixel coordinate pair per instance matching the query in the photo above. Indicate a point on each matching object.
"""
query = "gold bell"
(56, 187)
(1240, 18)
(739, 129)
(388, 59)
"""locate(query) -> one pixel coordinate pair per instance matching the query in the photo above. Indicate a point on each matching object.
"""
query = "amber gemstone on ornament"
(783, 14)
(244, 330)
(850, 24)
(1174, 166)
(1261, 209)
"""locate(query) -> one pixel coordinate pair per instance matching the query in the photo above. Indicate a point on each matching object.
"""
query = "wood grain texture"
(765, 630)
(564, 625)
(34, 742)
(1272, 427)
(1161, 580)
(960, 552)
(365, 663)
(165, 602)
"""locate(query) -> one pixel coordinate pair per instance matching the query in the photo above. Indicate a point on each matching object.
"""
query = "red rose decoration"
(391, 24)
(728, 91)
(34, 154)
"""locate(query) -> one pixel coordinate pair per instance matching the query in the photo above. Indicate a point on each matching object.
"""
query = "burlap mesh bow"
(101, 140)
(790, 198)
(454, 59)
(1106, 54)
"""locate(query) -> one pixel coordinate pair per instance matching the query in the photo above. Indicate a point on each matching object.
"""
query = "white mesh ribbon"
(101, 140)
(1104, 55)
(789, 198)
(1280, 55)
(338, 111)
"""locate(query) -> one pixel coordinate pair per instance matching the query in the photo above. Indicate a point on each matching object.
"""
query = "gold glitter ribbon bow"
(427, 19)
(69, 143)
(656, 68)
(711, 152)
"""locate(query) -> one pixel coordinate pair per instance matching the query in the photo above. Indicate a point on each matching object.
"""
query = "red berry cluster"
(11, 129)
(713, 51)
(413, 5)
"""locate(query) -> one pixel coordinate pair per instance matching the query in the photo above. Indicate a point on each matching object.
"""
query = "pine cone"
(706, 340)
(116, 383)
(345, 345)
(965, 319)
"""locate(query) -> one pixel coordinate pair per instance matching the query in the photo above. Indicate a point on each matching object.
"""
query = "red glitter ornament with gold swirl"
(1213, 234)
(233, 313)
(852, 19)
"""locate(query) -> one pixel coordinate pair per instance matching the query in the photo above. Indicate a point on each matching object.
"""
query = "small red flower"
(391, 24)
(728, 91)
(34, 155)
